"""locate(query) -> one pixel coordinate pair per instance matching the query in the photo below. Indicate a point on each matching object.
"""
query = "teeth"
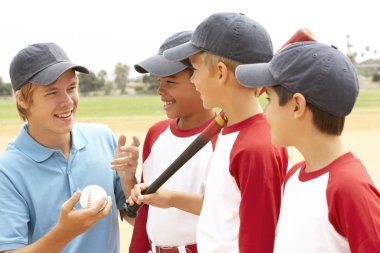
(63, 115)
(168, 102)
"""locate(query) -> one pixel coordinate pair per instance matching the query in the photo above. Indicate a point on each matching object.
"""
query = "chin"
(207, 106)
(277, 143)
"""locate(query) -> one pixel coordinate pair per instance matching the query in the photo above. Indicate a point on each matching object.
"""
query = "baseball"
(91, 194)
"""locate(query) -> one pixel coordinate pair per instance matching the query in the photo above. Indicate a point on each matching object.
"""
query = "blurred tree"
(121, 76)
(5, 88)
(152, 83)
(90, 82)
(102, 75)
(350, 54)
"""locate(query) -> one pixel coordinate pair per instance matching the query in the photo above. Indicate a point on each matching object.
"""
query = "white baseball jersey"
(163, 144)
(243, 193)
(335, 209)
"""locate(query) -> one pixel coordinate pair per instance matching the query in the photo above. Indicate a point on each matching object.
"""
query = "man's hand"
(126, 157)
(74, 222)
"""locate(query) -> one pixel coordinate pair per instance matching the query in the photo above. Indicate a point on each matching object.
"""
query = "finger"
(122, 141)
(99, 206)
(124, 161)
(136, 142)
(132, 151)
(107, 208)
(130, 201)
(71, 202)
(135, 196)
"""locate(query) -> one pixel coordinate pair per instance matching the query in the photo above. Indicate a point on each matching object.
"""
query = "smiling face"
(180, 99)
(51, 113)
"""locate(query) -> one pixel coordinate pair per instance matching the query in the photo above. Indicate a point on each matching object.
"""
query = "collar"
(39, 153)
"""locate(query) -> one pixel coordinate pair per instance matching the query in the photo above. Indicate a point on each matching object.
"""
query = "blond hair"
(26, 93)
(211, 60)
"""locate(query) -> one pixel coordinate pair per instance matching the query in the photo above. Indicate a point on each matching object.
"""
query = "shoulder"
(160, 126)
(157, 129)
(349, 176)
(350, 187)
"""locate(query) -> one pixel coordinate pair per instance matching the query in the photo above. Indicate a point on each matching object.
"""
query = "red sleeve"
(140, 241)
(354, 207)
(153, 133)
(259, 174)
(291, 172)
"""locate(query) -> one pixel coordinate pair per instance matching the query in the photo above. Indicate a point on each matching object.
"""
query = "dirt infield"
(361, 135)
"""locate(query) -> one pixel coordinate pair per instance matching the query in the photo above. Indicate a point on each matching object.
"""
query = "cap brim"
(53, 72)
(181, 52)
(255, 75)
(159, 66)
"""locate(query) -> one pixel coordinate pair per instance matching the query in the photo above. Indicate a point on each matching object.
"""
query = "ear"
(222, 72)
(299, 105)
(20, 100)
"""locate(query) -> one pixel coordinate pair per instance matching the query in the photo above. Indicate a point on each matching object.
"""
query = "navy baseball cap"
(230, 35)
(157, 64)
(321, 73)
(40, 64)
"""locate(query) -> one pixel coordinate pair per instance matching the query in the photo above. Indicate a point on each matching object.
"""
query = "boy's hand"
(126, 157)
(161, 198)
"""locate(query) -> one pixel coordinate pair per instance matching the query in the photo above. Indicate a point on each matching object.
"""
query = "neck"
(241, 107)
(60, 142)
(195, 120)
(319, 150)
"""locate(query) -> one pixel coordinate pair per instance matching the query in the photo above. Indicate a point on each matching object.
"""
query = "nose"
(66, 99)
(192, 78)
(160, 90)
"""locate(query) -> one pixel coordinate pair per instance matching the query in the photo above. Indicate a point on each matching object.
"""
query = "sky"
(99, 34)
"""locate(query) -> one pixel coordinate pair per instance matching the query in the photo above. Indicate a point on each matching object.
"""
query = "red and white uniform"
(170, 227)
(335, 209)
(243, 193)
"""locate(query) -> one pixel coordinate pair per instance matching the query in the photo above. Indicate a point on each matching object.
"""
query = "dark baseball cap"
(321, 73)
(157, 64)
(230, 35)
(40, 64)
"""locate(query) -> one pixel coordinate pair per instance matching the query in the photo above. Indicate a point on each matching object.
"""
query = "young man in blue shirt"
(52, 158)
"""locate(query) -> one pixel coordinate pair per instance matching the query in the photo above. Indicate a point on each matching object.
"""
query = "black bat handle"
(194, 147)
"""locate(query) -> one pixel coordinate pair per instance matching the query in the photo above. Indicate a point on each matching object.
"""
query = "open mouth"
(64, 115)
(168, 103)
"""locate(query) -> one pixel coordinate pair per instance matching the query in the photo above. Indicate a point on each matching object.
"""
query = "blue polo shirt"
(35, 181)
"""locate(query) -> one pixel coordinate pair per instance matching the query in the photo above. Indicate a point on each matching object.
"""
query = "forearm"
(53, 242)
(188, 202)
(130, 220)
(128, 181)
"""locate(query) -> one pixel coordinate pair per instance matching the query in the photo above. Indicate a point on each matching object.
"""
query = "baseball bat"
(302, 34)
(214, 128)
(203, 138)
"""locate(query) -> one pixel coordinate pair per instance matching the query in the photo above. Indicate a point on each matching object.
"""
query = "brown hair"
(323, 121)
